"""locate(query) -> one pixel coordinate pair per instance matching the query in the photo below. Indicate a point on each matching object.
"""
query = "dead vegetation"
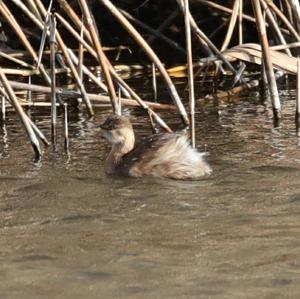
(42, 40)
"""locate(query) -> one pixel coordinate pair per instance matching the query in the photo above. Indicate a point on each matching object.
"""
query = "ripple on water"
(68, 230)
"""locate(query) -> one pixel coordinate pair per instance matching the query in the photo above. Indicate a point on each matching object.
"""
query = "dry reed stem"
(73, 16)
(151, 54)
(234, 91)
(261, 28)
(229, 11)
(34, 9)
(16, 27)
(68, 60)
(89, 19)
(5, 97)
(23, 117)
(28, 73)
(190, 70)
(154, 82)
(75, 74)
(95, 97)
(275, 26)
(80, 55)
(283, 19)
(15, 60)
(87, 72)
(119, 80)
(232, 22)
(295, 6)
(3, 108)
(53, 46)
(297, 114)
(44, 33)
(240, 24)
(298, 91)
(66, 128)
(287, 46)
(38, 132)
(202, 36)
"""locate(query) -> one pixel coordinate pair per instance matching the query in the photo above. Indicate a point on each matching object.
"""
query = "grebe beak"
(98, 128)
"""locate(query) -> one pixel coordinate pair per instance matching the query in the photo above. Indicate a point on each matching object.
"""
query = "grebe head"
(118, 131)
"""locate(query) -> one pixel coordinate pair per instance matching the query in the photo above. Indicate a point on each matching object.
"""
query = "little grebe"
(162, 155)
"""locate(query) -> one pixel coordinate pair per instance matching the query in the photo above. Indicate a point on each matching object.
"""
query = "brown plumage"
(162, 155)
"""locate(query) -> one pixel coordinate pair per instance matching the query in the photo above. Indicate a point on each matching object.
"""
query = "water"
(68, 231)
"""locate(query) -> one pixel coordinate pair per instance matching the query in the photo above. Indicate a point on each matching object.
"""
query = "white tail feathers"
(174, 159)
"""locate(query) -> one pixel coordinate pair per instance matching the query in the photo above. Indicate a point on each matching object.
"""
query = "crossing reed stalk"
(53, 77)
(23, 117)
(190, 70)
(151, 54)
(89, 19)
(261, 28)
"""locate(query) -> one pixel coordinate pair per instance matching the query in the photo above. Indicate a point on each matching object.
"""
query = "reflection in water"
(4, 143)
(68, 231)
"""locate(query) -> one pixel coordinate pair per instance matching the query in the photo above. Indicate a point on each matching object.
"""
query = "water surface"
(68, 231)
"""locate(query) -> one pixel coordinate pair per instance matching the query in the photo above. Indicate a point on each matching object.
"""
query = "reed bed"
(68, 40)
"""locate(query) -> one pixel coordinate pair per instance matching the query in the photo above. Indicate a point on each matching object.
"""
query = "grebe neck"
(118, 151)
